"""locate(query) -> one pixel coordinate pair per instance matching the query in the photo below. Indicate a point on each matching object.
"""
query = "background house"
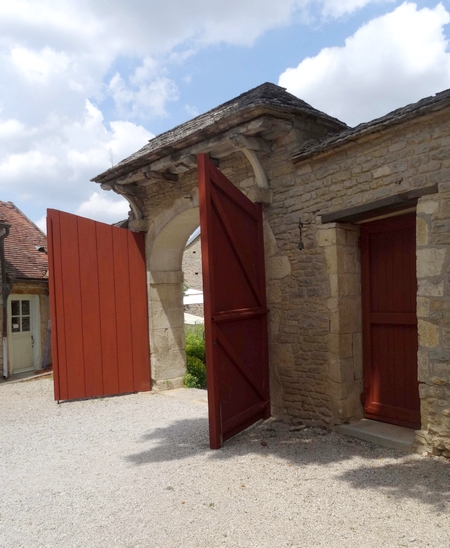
(25, 311)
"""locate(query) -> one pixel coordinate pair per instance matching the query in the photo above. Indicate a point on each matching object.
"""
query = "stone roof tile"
(270, 97)
(398, 116)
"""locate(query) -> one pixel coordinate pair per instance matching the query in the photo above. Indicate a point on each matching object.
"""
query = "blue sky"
(85, 83)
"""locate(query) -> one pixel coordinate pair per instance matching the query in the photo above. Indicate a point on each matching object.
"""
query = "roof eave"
(329, 144)
(212, 130)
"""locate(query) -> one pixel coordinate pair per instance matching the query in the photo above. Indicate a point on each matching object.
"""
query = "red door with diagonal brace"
(234, 305)
(98, 308)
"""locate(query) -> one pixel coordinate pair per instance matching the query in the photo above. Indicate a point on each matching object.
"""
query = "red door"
(234, 305)
(389, 287)
(98, 308)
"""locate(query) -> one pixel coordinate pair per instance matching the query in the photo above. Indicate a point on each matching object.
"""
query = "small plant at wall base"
(195, 376)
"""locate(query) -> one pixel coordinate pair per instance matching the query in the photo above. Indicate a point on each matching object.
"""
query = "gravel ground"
(135, 472)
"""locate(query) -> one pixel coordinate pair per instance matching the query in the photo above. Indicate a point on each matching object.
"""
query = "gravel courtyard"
(135, 472)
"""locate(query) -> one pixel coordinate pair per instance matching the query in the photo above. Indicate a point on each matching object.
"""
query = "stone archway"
(166, 311)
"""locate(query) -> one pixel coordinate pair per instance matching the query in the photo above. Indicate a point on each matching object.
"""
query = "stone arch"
(171, 231)
(167, 235)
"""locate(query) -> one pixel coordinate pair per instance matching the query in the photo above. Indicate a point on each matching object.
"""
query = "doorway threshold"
(26, 376)
(380, 433)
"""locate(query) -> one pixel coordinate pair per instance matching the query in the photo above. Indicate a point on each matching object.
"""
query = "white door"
(23, 332)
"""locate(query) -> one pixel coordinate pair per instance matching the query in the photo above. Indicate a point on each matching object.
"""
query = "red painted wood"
(234, 305)
(75, 366)
(90, 309)
(98, 302)
(108, 339)
(58, 342)
(139, 316)
(123, 333)
(389, 287)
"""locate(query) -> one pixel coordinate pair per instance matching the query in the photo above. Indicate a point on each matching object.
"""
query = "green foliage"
(195, 376)
(196, 373)
(195, 345)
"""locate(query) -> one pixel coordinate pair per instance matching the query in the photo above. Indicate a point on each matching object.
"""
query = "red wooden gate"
(234, 305)
(389, 287)
(98, 307)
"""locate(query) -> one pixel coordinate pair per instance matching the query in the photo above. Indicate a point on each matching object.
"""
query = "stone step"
(380, 433)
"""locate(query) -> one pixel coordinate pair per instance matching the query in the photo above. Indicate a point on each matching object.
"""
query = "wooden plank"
(107, 306)
(90, 306)
(73, 312)
(123, 312)
(56, 304)
(139, 317)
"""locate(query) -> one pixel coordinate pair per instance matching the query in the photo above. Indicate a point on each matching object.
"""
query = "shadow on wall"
(397, 475)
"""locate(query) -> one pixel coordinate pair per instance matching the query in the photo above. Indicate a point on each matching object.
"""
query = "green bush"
(195, 376)
(195, 345)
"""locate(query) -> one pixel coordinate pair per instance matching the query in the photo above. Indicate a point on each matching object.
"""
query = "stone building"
(25, 344)
(357, 235)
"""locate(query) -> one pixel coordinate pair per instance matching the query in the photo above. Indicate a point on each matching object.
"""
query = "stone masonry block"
(382, 171)
(430, 262)
(428, 334)
(278, 267)
(423, 364)
(331, 257)
(430, 289)
(350, 315)
(421, 231)
(168, 366)
(423, 307)
(326, 236)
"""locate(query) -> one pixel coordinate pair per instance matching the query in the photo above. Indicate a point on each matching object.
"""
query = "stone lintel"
(397, 202)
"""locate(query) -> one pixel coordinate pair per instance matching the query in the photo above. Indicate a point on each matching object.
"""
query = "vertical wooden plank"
(90, 306)
(107, 308)
(139, 316)
(215, 437)
(57, 328)
(73, 312)
(123, 312)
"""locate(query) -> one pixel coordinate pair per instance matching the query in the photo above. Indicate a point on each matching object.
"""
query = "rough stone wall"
(433, 311)
(192, 265)
(314, 293)
(316, 332)
(192, 271)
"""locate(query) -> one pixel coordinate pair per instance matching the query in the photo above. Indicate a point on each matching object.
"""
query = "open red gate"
(98, 307)
(234, 305)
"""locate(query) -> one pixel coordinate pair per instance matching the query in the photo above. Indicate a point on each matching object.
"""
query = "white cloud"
(54, 166)
(62, 62)
(38, 66)
(147, 100)
(389, 62)
(42, 223)
(105, 207)
(338, 8)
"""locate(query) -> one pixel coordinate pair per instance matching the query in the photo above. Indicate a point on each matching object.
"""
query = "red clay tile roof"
(23, 260)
